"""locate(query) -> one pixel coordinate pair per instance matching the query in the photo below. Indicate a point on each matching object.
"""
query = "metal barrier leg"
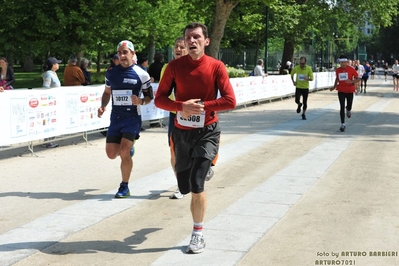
(84, 138)
(30, 150)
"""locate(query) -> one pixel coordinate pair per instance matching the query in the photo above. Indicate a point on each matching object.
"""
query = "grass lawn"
(24, 80)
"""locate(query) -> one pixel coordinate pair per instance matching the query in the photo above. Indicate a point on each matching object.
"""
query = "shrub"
(236, 73)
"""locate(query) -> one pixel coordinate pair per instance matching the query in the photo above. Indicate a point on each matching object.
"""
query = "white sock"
(197, 228)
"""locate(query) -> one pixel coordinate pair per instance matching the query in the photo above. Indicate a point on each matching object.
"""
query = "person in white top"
(395, 75)
(258, 70)
(360, 71)
(50, 78)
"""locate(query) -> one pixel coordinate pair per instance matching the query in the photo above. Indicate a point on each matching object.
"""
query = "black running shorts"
(198, 142)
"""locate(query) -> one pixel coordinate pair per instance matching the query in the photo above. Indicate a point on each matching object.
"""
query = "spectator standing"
(258, 70)
(73, 75)
(125, 83)
(50, 77)
(286, 69)
(114, 60)
(197, 78)
(345, 79)
(155, 68)
(304, 74)
(7, 77)
(51, 80)
(84, 66)
(289, 67)
(142, 61)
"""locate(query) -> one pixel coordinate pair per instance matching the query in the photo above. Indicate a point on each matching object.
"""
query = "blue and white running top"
(125, 82)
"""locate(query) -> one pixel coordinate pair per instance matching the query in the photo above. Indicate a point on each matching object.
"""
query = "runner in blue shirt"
(365, 76)
(124, 84)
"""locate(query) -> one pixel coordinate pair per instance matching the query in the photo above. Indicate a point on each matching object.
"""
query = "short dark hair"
(158, 57)
(303, 58)
(178, 39)
(141, 58)
(194, 25)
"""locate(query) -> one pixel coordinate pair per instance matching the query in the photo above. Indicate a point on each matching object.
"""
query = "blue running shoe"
(123, 191)
(132, 149)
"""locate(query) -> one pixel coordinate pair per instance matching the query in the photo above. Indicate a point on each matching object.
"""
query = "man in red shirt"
(345, 79)
(196, 79)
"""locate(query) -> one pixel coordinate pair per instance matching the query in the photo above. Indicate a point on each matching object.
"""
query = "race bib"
(194, 121)
(122, 97)
(301, 77)
(342, 76)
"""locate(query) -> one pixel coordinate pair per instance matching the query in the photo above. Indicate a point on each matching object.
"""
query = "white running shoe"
(197, 244)
(177, 195)
(209, 175)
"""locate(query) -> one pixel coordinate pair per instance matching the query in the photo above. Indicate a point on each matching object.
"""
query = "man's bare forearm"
(105, 99)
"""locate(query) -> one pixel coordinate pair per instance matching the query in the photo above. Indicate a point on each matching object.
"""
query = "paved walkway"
(285, 192)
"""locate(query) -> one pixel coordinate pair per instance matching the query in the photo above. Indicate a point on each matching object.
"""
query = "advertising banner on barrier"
(29, 115)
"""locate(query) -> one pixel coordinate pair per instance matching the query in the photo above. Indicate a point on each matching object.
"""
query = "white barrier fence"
(35, 114)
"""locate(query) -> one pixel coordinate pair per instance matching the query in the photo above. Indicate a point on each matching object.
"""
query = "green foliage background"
(34, 30)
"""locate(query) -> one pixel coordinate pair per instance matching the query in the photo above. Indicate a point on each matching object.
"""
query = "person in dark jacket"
(7, 77)
(84, 65)
(156, 67)
(114, 60)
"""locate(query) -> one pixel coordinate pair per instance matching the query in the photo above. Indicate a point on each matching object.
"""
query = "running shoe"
(177, 195)
(123, 191)
(303, 117)
(197, 244)
(298, 110)
(348, 113)
(342, 128)
(209, 175)
(50, 145)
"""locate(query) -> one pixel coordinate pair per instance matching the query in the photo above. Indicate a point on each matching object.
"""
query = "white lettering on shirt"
(130, 81)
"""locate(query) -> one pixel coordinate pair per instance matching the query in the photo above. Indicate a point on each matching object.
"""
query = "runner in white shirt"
(395, 75)
(360, 71)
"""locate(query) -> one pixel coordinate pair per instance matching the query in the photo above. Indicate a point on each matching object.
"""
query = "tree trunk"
(288, 53)
(151, 49)
(28, 64)
(98, 60)
(222, 14)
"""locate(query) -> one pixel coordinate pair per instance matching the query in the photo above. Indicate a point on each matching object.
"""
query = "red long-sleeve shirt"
(196, 79)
